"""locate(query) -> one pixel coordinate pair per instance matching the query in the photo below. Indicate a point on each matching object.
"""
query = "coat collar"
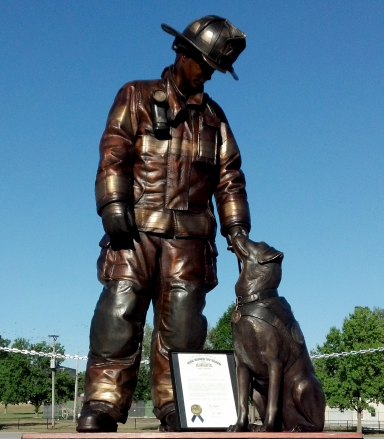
(176, 100)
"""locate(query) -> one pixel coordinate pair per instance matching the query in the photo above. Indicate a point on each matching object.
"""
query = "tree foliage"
(28, 378)
(143, 387)
(64, 386)
(354, 381)
(220, 336)
(4, 343)
(13, 369)
(380, 314)
(80, 383)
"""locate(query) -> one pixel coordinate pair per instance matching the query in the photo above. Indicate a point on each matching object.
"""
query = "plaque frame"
(226, 358)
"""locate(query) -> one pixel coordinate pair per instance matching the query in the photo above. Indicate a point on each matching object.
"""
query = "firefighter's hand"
(119, 223)
(234, 231)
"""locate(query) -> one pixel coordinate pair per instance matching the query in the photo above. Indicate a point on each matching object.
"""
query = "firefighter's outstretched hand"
(234, 231)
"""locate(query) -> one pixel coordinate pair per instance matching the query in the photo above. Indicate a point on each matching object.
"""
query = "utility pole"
(76, 390)
(53, 369)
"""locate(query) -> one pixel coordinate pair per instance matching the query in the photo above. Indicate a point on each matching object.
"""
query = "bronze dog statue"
(272, 361)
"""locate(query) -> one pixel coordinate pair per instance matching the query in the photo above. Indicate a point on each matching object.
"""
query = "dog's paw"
(237, 428)
(259, 428)
(301, 428)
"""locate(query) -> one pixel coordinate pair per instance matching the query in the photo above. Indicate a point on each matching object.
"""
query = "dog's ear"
(270, 254)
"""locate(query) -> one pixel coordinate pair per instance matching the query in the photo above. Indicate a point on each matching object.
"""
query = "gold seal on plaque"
(196, 409)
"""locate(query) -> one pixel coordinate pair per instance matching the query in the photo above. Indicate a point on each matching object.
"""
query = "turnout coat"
(171, 182)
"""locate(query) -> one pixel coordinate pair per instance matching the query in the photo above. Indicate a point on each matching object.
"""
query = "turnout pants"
(175, 274)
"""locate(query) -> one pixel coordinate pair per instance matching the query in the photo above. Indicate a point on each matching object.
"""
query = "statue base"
(193, 435)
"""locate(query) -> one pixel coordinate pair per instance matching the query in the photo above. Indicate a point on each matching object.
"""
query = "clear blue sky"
(307, 112)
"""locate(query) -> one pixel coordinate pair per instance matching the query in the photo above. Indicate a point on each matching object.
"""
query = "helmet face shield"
(219, 41)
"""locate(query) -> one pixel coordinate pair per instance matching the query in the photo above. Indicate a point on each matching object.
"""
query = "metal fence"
(139, 409)
(342, 425)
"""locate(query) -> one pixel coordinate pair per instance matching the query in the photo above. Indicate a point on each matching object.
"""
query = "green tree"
(380, 314)
(28, 378)
(39, 380)
(143, 387)
(13, 370)
(64, 386)
(354, 381)
(4, 343)
(220, 336)
(80, 383)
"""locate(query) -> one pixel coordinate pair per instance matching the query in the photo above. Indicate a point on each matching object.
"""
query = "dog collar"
(260, 295)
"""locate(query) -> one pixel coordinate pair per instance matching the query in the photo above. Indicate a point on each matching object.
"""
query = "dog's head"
(261, 263)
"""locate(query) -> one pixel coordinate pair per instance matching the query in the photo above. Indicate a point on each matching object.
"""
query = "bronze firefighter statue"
(166, 150)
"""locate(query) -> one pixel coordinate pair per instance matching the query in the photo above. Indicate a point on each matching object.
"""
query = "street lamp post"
(53, 369)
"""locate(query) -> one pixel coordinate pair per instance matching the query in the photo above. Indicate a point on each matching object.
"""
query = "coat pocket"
(105, 260)
(207, 140)
(211, 254)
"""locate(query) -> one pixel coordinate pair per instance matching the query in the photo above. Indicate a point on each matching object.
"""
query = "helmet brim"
(170, 30)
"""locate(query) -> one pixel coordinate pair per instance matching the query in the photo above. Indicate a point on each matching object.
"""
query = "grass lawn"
(22, 417)
(18, 411)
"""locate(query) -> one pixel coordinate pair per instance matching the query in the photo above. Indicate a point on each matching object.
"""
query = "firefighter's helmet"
(218, 40)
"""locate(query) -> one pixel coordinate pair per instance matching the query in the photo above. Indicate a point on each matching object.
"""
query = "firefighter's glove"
(119, 223)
